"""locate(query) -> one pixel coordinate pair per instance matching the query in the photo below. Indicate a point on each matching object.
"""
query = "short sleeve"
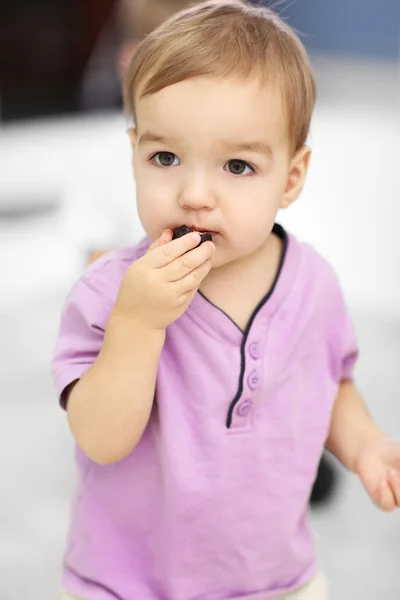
(344, 346)
(80, 335)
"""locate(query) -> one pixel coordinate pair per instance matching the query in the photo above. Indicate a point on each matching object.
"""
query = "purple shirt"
(213, 502)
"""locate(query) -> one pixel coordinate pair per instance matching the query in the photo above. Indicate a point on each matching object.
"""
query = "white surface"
(80, 164)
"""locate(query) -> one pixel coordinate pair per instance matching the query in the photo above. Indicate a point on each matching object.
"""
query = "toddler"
(203, 382)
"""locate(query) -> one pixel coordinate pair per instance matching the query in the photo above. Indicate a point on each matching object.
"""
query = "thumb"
(384, 497)
(164, 238)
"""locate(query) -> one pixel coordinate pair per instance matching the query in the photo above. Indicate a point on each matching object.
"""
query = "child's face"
(214, 154)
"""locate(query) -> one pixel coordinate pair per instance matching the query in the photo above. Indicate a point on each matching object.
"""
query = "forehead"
(206, 108)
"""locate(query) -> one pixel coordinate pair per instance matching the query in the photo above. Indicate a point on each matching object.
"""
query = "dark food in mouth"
(184, 230)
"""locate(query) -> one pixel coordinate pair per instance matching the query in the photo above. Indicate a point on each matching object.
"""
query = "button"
(244, 408)
(254, 380)
(255, 350)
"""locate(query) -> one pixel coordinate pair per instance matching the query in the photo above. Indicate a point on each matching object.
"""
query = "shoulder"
(86, 312)
(104, 276)
(317, 285)
(330, 313)
(314, 269)
(93, 295)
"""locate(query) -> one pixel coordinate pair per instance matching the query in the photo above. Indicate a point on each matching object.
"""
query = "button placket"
(243, 408)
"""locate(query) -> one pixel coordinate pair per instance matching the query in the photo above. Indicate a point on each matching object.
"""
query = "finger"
(164, 238)
(394, 482)
(189, 262)
(193, 279)
(385, 498)
(167, 253)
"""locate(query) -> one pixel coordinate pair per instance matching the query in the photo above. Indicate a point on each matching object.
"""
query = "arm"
(352, 427)
(120, 338)
(109, 407)
(354, 438)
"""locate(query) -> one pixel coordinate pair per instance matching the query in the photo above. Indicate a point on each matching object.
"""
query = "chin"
(221, 259)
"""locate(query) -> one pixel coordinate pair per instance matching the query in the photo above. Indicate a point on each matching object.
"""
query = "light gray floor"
(359, 545)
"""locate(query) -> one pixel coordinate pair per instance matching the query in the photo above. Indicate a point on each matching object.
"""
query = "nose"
(196, 193)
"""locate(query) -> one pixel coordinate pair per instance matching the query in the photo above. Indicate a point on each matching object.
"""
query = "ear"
(297, 176)
(132, 133)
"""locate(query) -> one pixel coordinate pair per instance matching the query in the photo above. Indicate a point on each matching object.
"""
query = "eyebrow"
(258, 147)
(148, 137)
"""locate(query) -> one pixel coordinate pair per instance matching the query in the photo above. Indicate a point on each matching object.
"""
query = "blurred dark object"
(20, 207)
(326, 483)
(62, 56)
(131, 21)
(44, 48)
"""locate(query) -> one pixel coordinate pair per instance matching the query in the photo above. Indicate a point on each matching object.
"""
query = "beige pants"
(315, 590)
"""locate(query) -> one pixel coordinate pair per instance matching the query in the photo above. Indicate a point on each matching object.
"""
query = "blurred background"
(66, 189)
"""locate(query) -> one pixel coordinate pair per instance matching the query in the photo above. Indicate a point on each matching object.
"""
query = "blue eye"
(239, 167)
(165, 159)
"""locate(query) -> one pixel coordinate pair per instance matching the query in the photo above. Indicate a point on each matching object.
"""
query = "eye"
(165, 159)
(238, 167)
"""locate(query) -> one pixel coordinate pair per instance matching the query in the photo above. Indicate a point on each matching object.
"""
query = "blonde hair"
(227, 38)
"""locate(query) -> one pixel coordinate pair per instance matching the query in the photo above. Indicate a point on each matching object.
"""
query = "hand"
(379, 469)
(158, 288)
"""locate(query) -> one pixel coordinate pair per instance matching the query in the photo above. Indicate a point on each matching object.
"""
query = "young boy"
(111, 190)
(202, 382)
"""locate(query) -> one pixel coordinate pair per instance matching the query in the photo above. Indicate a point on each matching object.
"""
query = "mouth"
(205, 234)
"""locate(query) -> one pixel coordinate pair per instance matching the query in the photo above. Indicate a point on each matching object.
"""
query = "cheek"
(154, 207)
(255, 205)
(253, 232)
(251, 212)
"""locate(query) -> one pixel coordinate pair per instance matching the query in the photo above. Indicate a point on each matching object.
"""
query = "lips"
(193, 227)
(200, 230)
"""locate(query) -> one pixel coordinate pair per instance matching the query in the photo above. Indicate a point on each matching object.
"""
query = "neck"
(262, 262)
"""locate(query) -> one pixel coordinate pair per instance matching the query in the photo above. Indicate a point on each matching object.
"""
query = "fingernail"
(196, 236)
